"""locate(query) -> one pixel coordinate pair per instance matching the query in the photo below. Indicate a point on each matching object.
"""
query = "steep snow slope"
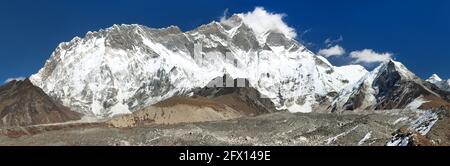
(127, 67)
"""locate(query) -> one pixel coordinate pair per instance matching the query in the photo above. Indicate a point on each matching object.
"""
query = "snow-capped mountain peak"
(126, 67)
(401, 69)
(440, 83)
(391, 85)
(434, 78)
(262, 23)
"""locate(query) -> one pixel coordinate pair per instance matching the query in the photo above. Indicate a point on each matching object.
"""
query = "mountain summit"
(389, 86)
(128, 67)
(434, 79)
(441, 84)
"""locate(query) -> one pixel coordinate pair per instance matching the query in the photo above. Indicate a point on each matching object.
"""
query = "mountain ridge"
(160, 63)
(389, 86)
(125, 68)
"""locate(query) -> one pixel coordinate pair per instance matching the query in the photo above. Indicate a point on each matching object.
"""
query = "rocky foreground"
(390, 127)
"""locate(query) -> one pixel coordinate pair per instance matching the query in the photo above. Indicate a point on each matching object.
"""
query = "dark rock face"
(244, 99)
(387, 81)
(400, 96)
(279, 39)
(393, 91)
(396, 92)
(356, 101)
(23, 104)
(245, 39)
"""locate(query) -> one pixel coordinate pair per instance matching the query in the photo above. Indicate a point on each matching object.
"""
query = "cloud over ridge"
(262, 21)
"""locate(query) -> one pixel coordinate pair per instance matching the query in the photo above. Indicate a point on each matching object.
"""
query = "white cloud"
(332, 51)
(370, 56)
(15, 79)
(261, 21)
(224, 16)
(329, 42)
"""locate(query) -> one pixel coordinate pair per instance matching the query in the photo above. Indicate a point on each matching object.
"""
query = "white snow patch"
(123, 143)
(398, 142)
(335, 138)
(416, 103)
(119, 109)
(305, 108)
(425, 122)
(366, 137)
(400, 120)
(422, 125)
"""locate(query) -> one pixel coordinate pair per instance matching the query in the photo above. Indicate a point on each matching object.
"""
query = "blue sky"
(416, 33)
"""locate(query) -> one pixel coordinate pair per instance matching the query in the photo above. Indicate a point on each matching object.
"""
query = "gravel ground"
(352, 129)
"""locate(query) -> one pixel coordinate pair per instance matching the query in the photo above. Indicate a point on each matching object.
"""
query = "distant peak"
(395, 66)
(393, 62)
(434, 78)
